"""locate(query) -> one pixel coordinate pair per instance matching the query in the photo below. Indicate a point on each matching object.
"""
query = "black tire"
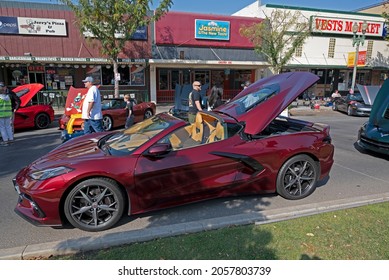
(42, 121)
(94, 204)
(107, 123)
(148, 114)
(297, 177)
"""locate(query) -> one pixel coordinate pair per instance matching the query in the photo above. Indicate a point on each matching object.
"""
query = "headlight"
(49, 173)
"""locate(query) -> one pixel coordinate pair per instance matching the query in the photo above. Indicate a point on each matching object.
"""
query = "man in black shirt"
(194, 101)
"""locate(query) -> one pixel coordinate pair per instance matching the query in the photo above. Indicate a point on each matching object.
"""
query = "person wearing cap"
(91, 108)
(5, 117)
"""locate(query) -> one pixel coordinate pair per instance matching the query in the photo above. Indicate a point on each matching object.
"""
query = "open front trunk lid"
(263, 101)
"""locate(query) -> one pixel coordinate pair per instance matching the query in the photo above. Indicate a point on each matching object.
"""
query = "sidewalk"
(307, 111)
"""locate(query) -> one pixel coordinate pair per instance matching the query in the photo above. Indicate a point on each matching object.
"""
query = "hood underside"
(263, 101)
(368, 93)
(27, 92)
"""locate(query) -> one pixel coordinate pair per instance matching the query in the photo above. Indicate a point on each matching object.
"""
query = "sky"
(228, 7)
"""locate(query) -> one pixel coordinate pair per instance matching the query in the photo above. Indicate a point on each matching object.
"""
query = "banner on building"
(33, 26)
(344, 26)
(361, 59)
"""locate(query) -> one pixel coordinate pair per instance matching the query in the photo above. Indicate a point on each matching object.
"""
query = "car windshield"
(112, 104)
(126, 142)
(356, 97)
(251, 100)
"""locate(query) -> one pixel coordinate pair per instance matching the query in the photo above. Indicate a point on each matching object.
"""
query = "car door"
(342, 103)
(184, 175)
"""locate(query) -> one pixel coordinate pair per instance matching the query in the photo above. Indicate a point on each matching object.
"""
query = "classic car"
(243, 147)
(374, 134)
(114, 112)
(31, 115)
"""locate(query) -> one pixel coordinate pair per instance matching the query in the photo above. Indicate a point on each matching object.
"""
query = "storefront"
(51, 51)
(205, 48)
(329, 50)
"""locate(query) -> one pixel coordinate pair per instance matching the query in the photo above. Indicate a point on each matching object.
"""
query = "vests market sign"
(345, 26)
(212, 29)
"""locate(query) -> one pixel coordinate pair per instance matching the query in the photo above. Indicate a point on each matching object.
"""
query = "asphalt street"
(357, 178)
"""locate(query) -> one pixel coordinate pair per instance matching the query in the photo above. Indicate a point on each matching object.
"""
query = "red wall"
(178, 28)
(73, 45)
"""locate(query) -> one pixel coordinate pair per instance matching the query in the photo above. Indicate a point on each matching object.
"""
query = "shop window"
(59, 78)
(324, 74)
(108, 75)
(238, 77)
(163, 79)
(186, 77)
(137, 75)
(18, 76)
(202, 77)
(175, 74)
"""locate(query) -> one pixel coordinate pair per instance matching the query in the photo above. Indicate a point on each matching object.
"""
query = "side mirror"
(159, 149)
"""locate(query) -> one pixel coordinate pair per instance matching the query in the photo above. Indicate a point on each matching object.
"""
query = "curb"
(73, 246)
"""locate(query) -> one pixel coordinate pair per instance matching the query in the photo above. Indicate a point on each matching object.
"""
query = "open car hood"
(264, 100)
(368, 93)
(27, 92)
(379, 115)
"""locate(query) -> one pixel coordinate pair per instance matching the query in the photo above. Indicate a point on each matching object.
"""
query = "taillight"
(327, 139)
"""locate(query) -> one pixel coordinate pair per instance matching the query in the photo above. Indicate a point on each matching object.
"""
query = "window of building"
(369, 50)
(175, 79)
(202, 76)
(108, 75)
(331, 48)
(299, 52)
(163, 79)
(238, 77)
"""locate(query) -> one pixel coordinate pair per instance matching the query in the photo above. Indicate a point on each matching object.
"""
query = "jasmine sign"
(212, 29)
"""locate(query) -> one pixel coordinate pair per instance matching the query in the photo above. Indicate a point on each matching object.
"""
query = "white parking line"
(361, 173)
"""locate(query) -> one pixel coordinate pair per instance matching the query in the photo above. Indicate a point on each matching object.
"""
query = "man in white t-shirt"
(91, 108)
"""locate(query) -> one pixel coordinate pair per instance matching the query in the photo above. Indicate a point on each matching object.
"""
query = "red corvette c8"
(244, 147)
(30, 116)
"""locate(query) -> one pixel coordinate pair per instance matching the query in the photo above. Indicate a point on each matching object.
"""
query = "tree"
(278, 36)
(112, 22)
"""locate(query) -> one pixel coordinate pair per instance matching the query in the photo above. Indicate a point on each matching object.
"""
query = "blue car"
(374, 134)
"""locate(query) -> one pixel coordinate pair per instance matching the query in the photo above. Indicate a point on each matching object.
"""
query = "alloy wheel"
(107, 123)
(94, 205)
(297, 177)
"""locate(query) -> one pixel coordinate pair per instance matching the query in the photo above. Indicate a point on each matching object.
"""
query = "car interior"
(206, 129)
